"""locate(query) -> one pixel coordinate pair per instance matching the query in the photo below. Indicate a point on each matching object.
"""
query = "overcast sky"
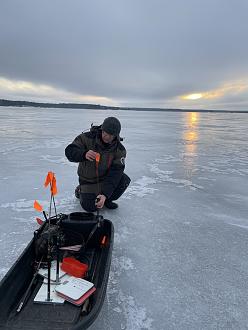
(177, 53)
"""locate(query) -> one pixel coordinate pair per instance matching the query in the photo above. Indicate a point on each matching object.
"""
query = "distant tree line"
(9, 103)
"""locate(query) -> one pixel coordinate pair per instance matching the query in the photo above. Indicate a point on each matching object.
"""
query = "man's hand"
(90, 155)
(101, 200)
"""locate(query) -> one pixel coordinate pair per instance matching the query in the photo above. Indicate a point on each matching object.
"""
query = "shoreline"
(27, 104)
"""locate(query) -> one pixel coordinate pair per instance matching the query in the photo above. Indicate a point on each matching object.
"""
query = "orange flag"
(54, 186)
(49, 178)
(37, 206)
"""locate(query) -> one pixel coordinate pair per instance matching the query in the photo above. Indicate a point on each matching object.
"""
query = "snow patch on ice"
(57, 160)
(48, 144)
(3, 271)
(21, 205)
(167, 159)
(206, 179)
(132, 316)
(236, 198)
(140, 188)
(54, 144)
(10, 149)
(165, 176)
(136, 317)
(224, 216)
(237, 225)
(122, 264)
(67, 204)
(117, 309)
(230, 220)
(222, 168)
(26, 220)
(122, 235)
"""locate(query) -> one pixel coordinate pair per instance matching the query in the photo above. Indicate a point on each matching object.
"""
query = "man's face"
(107, 138)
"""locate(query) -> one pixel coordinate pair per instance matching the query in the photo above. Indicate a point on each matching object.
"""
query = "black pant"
(87, 200)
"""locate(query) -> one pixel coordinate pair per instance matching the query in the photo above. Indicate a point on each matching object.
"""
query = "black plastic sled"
(19, 287)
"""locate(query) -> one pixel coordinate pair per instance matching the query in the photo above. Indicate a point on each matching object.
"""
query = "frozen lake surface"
(180, 258)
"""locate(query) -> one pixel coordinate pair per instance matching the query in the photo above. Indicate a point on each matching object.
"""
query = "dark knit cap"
(111, 125)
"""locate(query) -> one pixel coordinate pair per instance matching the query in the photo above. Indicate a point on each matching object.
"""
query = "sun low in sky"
(194, 96)
(234, 91)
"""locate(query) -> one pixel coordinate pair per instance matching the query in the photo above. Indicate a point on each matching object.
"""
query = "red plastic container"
(74, 267)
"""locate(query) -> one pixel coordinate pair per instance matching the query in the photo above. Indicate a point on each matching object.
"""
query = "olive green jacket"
(105, 177)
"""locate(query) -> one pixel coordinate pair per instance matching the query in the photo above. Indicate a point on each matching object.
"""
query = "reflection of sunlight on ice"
(190, 139)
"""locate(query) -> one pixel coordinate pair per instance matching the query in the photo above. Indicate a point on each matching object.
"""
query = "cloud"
(39, 92)
(234, 92)
(133, 52)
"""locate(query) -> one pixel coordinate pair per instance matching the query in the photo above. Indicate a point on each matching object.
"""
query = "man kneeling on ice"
(101, 158)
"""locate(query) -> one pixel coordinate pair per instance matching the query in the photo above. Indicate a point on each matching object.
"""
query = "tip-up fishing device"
(51, 242)
(49, 181)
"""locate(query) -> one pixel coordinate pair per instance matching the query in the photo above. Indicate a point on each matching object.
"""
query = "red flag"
(39, 221)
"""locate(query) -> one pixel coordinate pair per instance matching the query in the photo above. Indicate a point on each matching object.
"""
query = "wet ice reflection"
(190, 140)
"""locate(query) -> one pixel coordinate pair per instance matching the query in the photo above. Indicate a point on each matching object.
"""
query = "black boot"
(111, 205)
(77, 192)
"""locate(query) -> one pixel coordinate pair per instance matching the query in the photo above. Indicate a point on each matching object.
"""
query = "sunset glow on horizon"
(227, 89)
(194, 96)
(35, 92)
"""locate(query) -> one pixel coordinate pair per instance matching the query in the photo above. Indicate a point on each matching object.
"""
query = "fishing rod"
(98, 216)
(24, 298)
(97, 180)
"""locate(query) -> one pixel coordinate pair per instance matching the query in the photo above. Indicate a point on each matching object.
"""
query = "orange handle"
(97, 157)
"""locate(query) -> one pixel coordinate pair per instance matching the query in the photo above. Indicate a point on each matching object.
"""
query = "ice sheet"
(180, 252)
